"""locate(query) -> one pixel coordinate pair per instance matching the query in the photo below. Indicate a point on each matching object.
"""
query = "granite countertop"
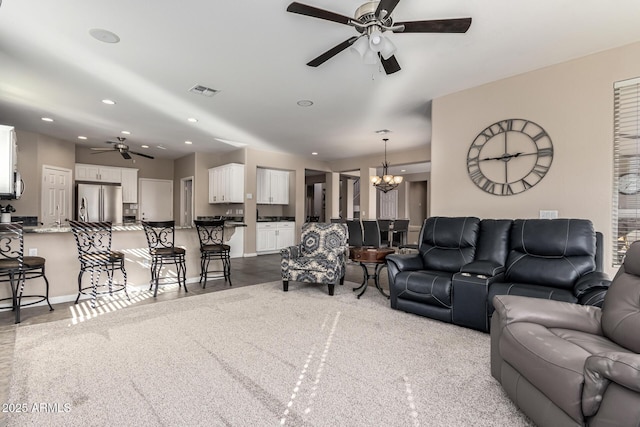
(115, 227)
(275, 218)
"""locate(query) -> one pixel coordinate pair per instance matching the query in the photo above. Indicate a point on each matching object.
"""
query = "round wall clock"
(509, 157)
(629, 183)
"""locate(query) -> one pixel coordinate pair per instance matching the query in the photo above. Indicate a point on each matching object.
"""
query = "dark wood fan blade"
(390, 65)
(140, 154)
(458, 25)
(387, 5)
(125, 154)
(314, 12)
(332, 52)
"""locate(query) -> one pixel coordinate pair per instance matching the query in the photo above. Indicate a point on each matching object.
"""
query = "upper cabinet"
(273, 187)
(129, 185)
(128, 177)
(226, 184)
(98, 173)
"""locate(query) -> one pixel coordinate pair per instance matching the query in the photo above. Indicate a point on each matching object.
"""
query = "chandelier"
(386, 182)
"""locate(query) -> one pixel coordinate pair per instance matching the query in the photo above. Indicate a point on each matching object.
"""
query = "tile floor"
(244, 272)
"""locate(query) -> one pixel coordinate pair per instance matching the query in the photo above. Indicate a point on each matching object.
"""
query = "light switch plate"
(548, 214)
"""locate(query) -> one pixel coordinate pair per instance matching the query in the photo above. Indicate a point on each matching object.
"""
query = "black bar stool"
(212, 247)
(93, 240)
(16, 269)
(161, 238)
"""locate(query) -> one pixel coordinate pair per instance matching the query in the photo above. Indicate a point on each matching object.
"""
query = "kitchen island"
(58, 246)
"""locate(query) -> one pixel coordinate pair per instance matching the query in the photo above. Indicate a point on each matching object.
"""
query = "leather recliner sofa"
(566, 364)
(463, 262)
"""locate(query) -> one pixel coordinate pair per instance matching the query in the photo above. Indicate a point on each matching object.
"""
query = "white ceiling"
(255, 52)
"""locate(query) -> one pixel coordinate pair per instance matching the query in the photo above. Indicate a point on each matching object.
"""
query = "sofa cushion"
(621, 309)
(528, 290)
(448, 243)
(550, 363)
(554, 252)
(428, 287)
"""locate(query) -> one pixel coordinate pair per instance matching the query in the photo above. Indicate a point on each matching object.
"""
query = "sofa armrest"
(406, 262)
(483, 269)
(548, 313)
(601, 369)
(590, 281)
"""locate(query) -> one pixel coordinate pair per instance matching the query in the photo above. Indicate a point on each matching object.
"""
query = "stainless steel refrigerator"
(98, 202)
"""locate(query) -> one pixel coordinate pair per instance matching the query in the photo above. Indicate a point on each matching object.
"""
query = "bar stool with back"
(16, 269)
(93, 240)
(212, 247)
(162, 250)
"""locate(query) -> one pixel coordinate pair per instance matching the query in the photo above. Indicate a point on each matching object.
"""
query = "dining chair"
(385, 231)
(93, 241)
(356, 238)
(371, 233)
(212, 247)
(400, 231)
(162, 250)
(16, 269)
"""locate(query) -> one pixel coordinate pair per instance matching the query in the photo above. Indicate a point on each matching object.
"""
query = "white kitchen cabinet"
(266, 237)
(129, 185)
(273, 187)
(226, 184)
(273, 236)
(286, 234)
(98, 173)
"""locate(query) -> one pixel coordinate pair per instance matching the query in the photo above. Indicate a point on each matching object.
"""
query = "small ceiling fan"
(372, 19)
(122, 148)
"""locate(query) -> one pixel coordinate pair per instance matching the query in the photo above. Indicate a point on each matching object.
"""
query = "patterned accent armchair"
(320, 258)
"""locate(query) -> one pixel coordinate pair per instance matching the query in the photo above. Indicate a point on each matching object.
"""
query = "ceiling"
(254, 53)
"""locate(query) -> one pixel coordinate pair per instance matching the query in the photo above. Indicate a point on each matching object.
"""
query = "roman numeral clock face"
(509, 157)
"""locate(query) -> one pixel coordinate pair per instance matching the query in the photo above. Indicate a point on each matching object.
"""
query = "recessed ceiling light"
(403, 170)
(108, 102)
(161, 147)
(82, 137)
(383, 131)
(104, 35)
(305, 103)
(126, 132)
(188, 142)
(47, 119)
(314, 154)
(144, 146)
(192, 120)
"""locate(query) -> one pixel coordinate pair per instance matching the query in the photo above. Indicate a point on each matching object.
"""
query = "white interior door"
(56, 195)
(156, 199)
(389, 204)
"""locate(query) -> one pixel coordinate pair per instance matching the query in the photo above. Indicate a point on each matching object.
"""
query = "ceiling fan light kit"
(121, 148)
(372, 19)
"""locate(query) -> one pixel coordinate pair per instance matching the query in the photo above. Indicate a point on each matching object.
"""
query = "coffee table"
(370, 256)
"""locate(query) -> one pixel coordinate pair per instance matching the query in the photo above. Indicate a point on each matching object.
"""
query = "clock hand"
(505, 157)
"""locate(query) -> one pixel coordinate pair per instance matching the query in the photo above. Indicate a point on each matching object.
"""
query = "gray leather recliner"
(568, 364)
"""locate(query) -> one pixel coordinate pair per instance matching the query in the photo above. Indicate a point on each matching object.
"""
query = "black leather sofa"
(463, 262)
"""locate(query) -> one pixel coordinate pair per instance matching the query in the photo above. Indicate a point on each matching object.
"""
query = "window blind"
(626, 167)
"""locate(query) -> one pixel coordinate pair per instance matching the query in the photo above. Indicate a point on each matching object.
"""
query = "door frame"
(69, 191)
(183, 201)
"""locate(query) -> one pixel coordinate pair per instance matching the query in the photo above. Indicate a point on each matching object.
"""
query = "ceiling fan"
(120, 147)
(372, 19)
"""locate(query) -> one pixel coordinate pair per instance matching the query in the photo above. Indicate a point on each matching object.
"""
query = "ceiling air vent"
(203, 90)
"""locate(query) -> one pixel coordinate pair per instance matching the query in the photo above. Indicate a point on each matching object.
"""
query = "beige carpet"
(256, 356)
